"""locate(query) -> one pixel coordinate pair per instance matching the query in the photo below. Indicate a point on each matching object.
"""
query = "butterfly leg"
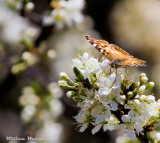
(116, 71)
(126, 70)
(116, 74)
(110, 70)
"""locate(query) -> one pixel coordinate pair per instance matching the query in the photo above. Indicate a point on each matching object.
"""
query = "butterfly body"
(117, 56)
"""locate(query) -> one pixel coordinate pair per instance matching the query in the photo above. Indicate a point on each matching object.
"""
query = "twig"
(142, 136)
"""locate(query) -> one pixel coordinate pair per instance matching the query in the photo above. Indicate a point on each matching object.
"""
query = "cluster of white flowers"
(65, 13)
(111, 101)
(44, 108)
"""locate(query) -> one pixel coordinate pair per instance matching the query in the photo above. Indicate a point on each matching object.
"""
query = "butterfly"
(117, 56)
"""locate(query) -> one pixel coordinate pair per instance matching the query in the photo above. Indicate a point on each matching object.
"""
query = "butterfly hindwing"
(132, 62)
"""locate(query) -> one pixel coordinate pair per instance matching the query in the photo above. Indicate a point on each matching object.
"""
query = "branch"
(142, 136)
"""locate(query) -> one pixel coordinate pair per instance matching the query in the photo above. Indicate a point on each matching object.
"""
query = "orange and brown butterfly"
(117, 56)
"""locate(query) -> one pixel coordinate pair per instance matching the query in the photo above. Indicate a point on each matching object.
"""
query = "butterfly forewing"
(118, 53)
(115, 54)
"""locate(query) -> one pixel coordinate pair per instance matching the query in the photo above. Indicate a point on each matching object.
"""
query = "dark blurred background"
(39, 39)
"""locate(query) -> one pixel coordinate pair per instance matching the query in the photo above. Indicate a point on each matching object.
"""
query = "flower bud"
(143, 75)
(138, 83)
(150, 85)
(130, 102)
(150, 98)
(125, 118)
(137, 102)
(142, 88)
(144, 79)
(137, 96)
(70, 94)
(123, 97)
(130, 94)
(64, 84)
(143, 97)
(64, 76)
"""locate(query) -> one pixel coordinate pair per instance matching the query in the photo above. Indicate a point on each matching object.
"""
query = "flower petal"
(116, 85)
(96, 128)
(100, 119)
(108, 114)
(83, 128)
(112, 77)
(131, 134)
(113, 106)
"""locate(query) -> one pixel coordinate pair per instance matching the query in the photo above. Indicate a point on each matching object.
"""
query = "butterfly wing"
(115, 54)
(111, 51)
(118, 53)
(102, 46)
(132, 62)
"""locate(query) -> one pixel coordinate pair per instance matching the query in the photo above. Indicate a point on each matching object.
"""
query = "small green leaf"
(78, 74)
(123, 87)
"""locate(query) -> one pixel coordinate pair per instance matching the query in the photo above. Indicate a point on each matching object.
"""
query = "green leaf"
(78, 74)
(123, 87)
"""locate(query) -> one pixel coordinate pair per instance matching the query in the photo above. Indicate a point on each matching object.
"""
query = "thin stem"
(142, 136)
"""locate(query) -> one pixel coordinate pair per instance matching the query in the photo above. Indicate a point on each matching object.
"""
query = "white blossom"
(86, 65)
(66, 13)
(111, 101)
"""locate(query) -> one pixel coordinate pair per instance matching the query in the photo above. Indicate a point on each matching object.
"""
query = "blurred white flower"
(56, 107)
(51, 54)
(55, 90)
(28, 112)
(12, 31)
(28, 97)
(28, 90)
(29, 58)
(52, 131)
(45, 110)
(29, 6)
(66, 13)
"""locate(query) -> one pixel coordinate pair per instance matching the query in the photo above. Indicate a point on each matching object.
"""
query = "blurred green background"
(39, 39)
